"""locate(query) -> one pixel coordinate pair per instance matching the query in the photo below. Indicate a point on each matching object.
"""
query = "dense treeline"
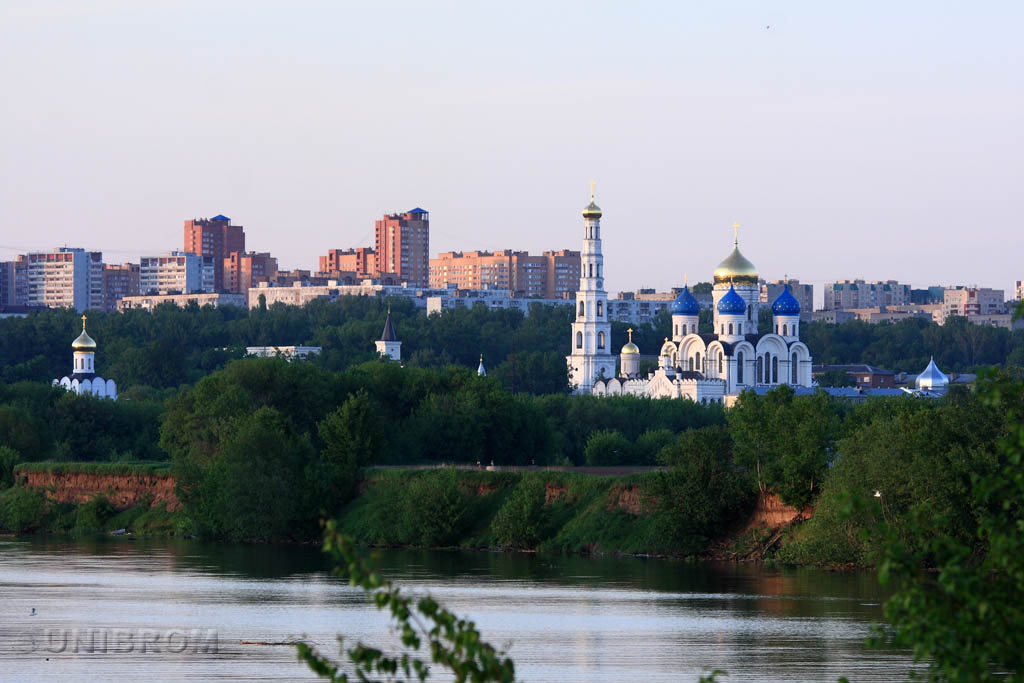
(148, 353)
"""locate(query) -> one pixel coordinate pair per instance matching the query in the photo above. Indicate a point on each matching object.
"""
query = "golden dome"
(592, 210)
(736, 269)
(630, 348)
(84, 342)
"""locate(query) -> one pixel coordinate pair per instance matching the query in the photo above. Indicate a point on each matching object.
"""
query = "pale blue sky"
(874, 140)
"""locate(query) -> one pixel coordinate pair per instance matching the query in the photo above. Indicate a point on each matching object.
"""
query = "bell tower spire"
(591, 356)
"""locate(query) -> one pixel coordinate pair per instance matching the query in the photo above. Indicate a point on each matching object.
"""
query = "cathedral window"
(600, 308)
(579, 338)
(720, 363)
(730, 328)
(785, 330)
(600, 339)
(696, 362)
(775, 369)
(591, 270)
(739, 368)
(760, 370)
(723, 328)
(792, 369)
(677, 330)
(581, 309)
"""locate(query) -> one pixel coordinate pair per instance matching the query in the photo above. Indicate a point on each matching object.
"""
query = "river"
(171, 610)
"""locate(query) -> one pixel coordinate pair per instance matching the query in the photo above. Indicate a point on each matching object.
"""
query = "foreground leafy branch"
(454, 643)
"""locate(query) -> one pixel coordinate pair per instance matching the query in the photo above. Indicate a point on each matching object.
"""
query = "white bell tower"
(591, 356)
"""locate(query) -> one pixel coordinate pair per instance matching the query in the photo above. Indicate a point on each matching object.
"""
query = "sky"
(856, 140)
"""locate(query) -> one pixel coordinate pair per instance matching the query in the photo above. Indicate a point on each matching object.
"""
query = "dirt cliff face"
(123, 490)
(771, 512)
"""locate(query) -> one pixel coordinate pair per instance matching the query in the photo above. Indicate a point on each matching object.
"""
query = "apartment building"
(64, 278)
(245, 270)
(803, 293)
(176, 272)
(214, 238)
(968, 302)
(8, 278)
(403, 246)
(551, 275)
(362, 261)
(846, 294)
(1018, 290)
(119, 282)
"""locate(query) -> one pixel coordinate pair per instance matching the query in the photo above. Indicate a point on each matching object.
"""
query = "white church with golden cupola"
(83, 378)
(708, 367)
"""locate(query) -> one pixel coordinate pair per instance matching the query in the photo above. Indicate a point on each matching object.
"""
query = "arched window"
(591, 270)
(579, 339)
(793, 365)
(599, 270)
(581, 309)
(739, 328)
(600, 340)
(600, 308)
(767, 368)
(720, 363)
(723, 328)
(676, 333)
(760, 370)
(696, 362)
(730, 328)
(785, 330)
(739, 368)
(775, 369)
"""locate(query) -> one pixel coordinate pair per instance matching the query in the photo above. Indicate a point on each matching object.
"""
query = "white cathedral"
(715, 367)
(83, 378)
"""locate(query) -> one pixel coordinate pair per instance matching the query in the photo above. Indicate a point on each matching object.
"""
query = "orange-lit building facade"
(215, 238)
(242, 271)
(362, 261)
(403, 246)
(551, 275)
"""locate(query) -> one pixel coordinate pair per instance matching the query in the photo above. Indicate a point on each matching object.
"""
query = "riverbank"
(539, 510)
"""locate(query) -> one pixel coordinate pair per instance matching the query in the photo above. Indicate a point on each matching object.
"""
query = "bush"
(608, 447)
(21, 509)
(518, 522)
(93, 516)
(8, 459)
(434, 513)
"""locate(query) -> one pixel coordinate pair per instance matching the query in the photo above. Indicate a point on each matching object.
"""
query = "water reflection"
(565, 618)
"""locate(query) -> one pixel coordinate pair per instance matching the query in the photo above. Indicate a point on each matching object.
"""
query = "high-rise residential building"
(176, 272)
(64, 278)
(403, 246)
(972, 301)
(245, 270)
(771, 290)
(8, 270)
(846, 294)
(551, 275)
(1018, 290)
(119, 282)
(362, 261)
(217, 239)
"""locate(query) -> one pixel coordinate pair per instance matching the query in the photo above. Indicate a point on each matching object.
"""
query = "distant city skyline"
(874, 141)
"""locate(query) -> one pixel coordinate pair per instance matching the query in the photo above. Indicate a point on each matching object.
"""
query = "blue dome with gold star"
(685, 303)
(732, 303)
(786, 303)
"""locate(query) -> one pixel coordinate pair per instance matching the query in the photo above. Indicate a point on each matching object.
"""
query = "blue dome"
(786, 304)
(732, 302)
(685, 304)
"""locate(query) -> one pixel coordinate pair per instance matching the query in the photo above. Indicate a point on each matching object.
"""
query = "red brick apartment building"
(551, 275)
(215, 238)
(403, 246)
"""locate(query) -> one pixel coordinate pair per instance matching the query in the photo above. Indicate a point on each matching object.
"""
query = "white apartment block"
(176, 272)
(969, 302)
(847, 294)
(64, 278)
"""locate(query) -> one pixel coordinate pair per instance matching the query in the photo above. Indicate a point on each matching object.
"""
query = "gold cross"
(83, 323)
(736, 234)
(592, 183)
(630, 332)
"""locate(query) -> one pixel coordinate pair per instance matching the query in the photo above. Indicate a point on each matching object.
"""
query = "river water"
(167, 610)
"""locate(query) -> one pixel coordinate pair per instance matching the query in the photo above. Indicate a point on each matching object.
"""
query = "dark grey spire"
(388, 334)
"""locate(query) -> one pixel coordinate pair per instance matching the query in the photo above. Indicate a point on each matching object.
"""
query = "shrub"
(21, 509)
(434, 510)
(93, 516)
(608, 447)
(518, 522)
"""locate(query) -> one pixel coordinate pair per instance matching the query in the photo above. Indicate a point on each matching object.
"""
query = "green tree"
(608, 447)
(8, 459)
(353, 435)
(835, 378)
(518, 522)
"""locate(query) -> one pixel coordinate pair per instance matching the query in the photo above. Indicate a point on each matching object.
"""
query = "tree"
(353, 435)
(519, 520)
(835, 378)
(608, 447)
(958, 603)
